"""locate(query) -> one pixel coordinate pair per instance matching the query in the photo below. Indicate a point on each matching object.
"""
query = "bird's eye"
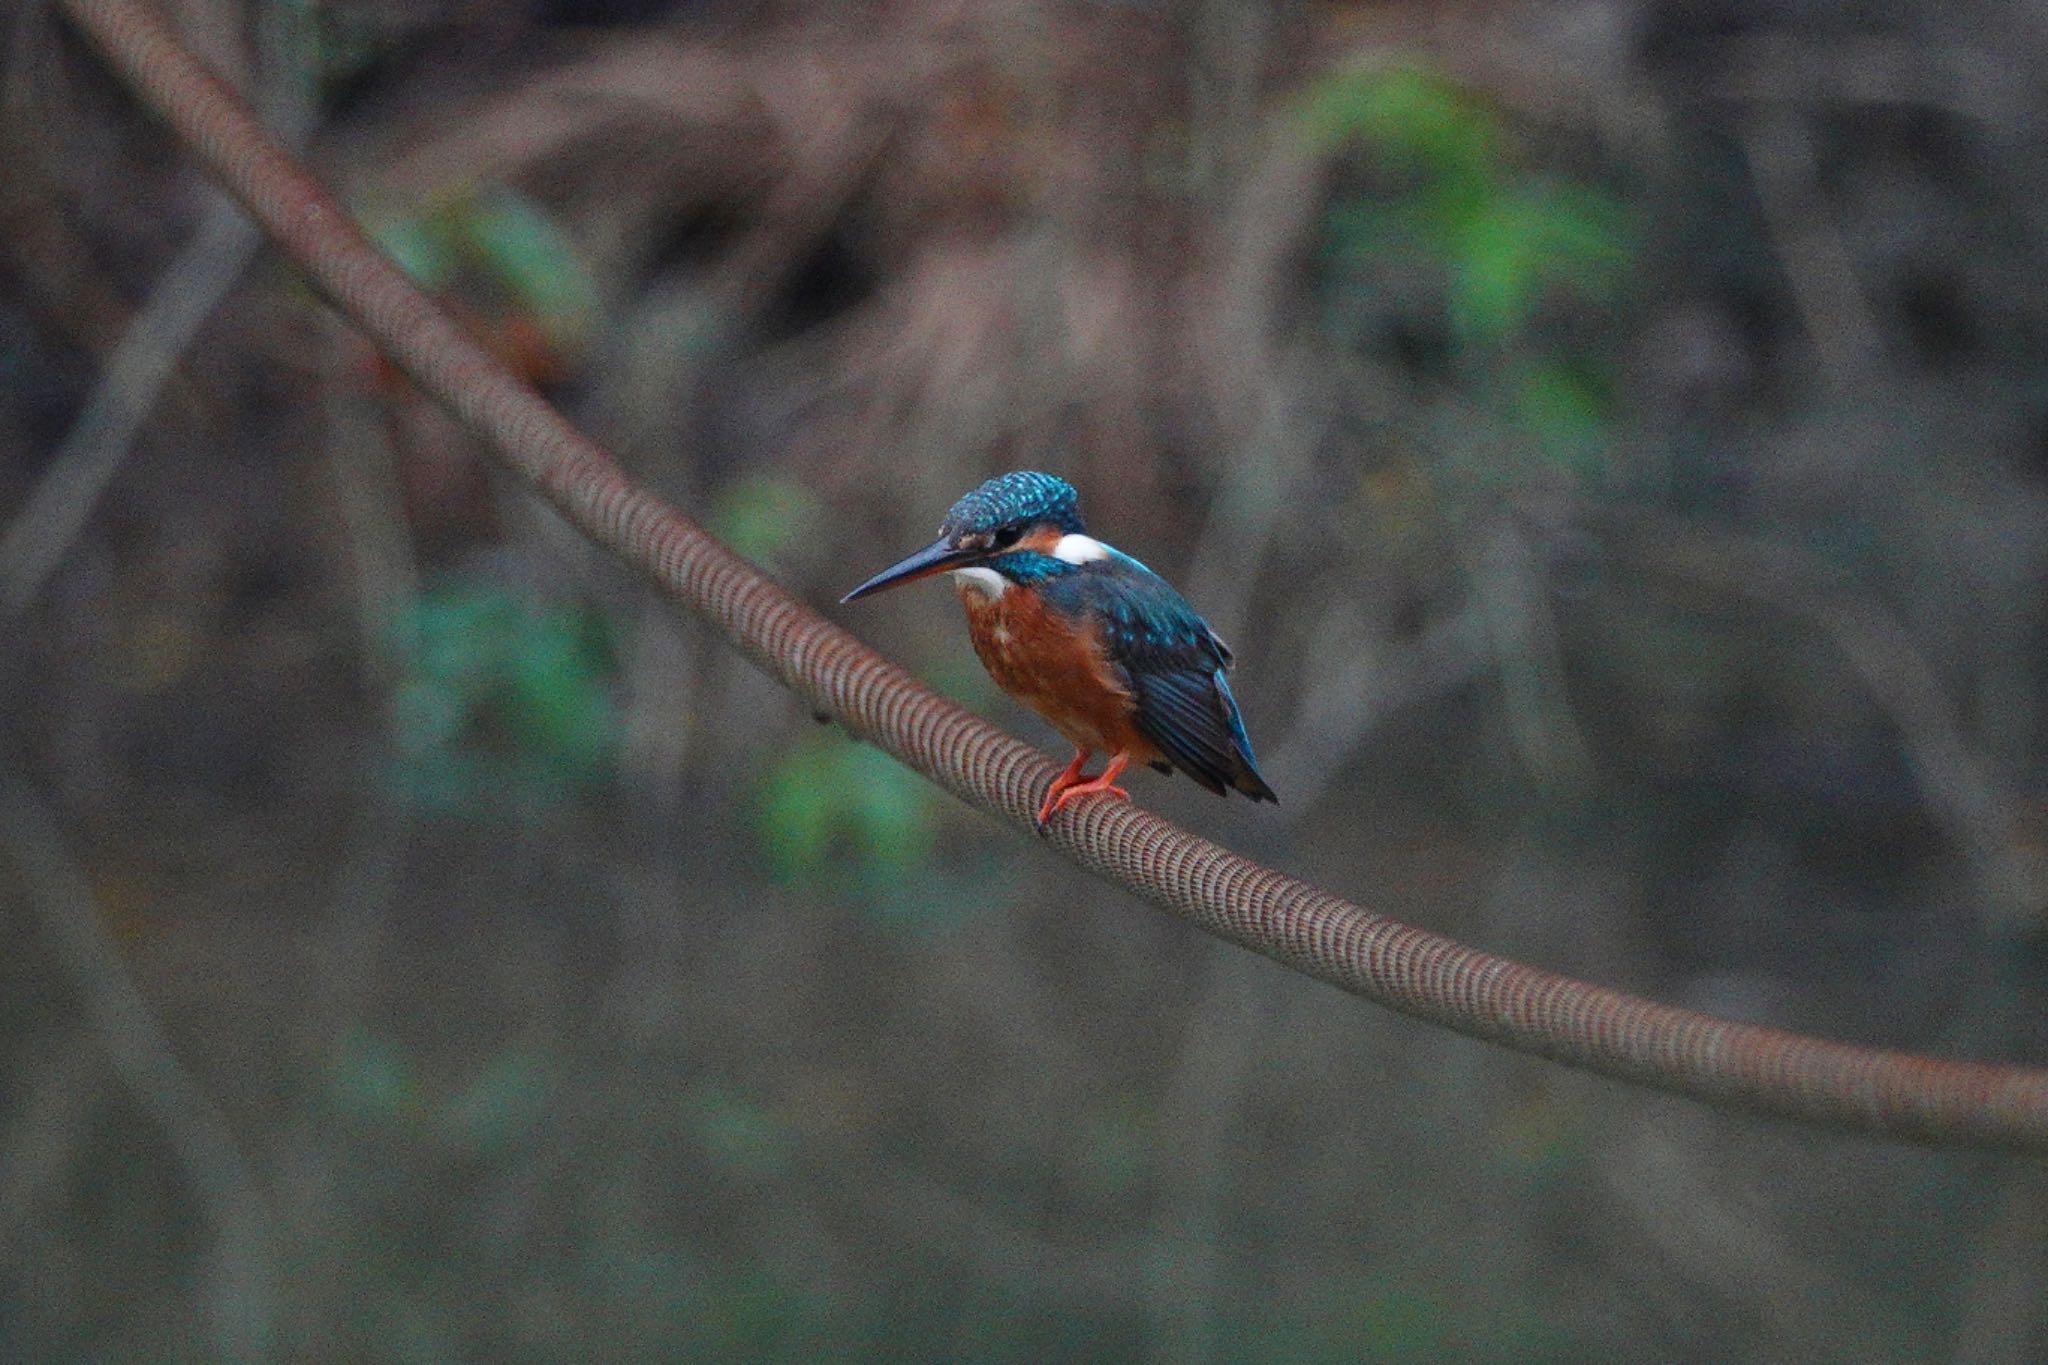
(1009, 536)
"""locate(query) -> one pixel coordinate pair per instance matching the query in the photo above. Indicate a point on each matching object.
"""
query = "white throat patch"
(987, 582)
(1075, 548)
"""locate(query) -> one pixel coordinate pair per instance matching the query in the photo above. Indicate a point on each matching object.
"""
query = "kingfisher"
(1089, 638)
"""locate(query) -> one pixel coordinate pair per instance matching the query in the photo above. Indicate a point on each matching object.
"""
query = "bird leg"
(1068, 785)
(1059, 786)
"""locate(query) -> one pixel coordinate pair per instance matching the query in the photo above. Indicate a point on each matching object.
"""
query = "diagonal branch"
(241, 1294)
(1310, 930)
(99, 441)
(150, 352)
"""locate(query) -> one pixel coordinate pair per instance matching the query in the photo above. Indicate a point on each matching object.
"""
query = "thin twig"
(183, 299)
(37, 1147)
(1511, 588)
(371, 504)
(98, 443)
(1955, 782)
(1818, 266)
(1359, 684)
(242, 1295)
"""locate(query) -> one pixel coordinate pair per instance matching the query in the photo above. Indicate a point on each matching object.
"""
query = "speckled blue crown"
(1022, 496)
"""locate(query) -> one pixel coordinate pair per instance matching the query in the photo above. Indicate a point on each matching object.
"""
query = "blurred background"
(1613, 435)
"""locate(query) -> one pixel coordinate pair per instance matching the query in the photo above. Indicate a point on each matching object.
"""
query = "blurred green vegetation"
(849, 819)
(765, 517)
(504, 704)
(1444, 256)
(376, 1082)
(506, 251)
(841, 817)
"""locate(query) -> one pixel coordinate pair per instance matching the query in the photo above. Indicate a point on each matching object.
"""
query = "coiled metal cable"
(1310, 930)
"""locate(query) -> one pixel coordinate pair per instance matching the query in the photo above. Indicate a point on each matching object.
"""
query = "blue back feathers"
(1143, 619)
(1024, 496)
(1173, 663)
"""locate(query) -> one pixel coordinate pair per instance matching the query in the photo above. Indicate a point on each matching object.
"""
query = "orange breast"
(1063, 674)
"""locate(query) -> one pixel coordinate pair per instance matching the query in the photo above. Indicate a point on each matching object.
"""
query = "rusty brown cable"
(1414, 971)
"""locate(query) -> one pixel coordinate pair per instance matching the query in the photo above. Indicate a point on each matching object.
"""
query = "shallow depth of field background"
(1614, 437)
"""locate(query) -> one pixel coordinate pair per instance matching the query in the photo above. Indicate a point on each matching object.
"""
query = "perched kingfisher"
(1089, 638)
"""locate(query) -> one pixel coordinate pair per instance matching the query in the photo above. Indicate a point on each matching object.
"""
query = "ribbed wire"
(1310, 930)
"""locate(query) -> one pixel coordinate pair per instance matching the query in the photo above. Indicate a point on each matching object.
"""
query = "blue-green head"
(1009, 505)
(1001, 518)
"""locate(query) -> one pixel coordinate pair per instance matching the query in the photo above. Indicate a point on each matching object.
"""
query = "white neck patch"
(1075, 548)
(987, 582)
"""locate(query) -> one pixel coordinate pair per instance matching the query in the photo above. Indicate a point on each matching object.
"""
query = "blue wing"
(1175, 665)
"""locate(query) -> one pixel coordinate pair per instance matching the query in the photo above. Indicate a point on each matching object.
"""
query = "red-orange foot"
(1066, 786)
(1059, 787)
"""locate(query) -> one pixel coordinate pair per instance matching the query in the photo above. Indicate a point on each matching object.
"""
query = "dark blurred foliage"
(1612, 436)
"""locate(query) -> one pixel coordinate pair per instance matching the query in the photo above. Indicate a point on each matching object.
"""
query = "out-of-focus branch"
(1363, 683)
(50, 1121)
(1296, 924)
(1778, 68)
(1817, 263)
(99, 440)
(242, 1294)
(1954, 781)
(149, 353)
(1513, 604)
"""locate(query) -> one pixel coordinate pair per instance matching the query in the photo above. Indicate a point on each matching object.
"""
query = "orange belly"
(1064, 675)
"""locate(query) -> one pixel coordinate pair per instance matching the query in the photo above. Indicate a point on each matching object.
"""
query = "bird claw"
(1054, 803)
(1050, 807)
(1071, 784)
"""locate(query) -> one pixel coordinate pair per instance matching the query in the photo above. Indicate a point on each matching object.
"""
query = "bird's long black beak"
(936, 557)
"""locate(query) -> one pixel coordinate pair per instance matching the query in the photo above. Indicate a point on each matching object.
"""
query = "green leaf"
(1565, 410)
(521, 247)
(484, 672)
(891, 813)
(827, 796)
(1493, 276)
(1499, 237)
(1413, 117)
(797, 813)
(1578, 233)
(420, 247)
(560, 701)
